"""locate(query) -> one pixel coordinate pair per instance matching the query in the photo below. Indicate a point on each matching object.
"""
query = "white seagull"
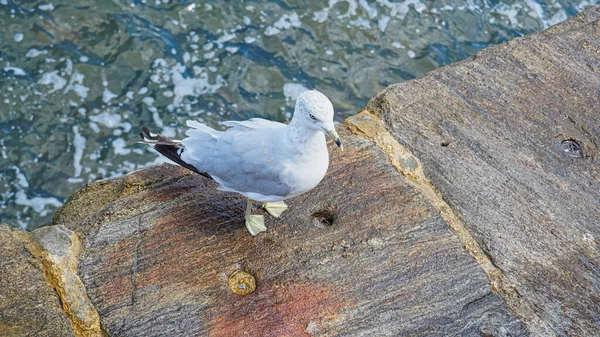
(260, 159)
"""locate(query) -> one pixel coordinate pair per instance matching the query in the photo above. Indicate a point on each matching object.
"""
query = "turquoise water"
(79, 78)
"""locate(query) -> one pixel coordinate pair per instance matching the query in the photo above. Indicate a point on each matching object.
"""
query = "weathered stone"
(40, 291)
(488, 133)
(59, 248)
(381, 261)
(29, 306)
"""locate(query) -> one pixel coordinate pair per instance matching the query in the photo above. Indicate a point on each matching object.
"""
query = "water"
(79, 78)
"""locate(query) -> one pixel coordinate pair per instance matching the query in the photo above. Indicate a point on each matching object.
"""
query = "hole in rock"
(571, 148)
(324, 218)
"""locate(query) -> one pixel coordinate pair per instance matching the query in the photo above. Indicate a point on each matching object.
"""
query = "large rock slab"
(490, 134)
(363, 254)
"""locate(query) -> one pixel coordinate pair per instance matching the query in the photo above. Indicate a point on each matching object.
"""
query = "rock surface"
(454, 211)
(489, 135)
(40, 292)
(377, 260)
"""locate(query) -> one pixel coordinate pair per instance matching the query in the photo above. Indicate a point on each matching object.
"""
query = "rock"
(157, 260)
(59, 248)
(29, 305)
(490, 135)
(467, 203)
(40, 292)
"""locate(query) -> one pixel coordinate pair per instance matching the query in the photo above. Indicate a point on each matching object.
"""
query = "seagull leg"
(275, 208)
(254, 223)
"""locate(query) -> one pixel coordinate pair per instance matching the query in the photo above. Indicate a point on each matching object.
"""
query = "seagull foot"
(275, 208)
(255, 224)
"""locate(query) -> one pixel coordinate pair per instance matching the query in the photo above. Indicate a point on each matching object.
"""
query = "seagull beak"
(335, 137)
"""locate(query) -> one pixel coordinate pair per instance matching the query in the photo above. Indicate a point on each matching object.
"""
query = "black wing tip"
(145, 134)
(169, 151)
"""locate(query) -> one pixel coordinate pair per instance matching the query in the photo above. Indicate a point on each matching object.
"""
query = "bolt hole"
(324, 218)
(571, 148)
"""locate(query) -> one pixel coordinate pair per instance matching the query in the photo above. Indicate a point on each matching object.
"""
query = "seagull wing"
(254, 123)
(244, 159)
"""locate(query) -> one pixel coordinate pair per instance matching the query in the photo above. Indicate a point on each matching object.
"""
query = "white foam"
(559, 16)
(76, 85)
(321, 16)
(38, 204)
(35, 52)
(79, 145)
(69, 66)
(400, 9)
(383, 22)
(224, 38)
(111, 120)
(209, 55)
(54, 79)
(232, 50)
(4, 155)
(286, 21)
(200, 85)
(15, 70)
(291, 91)
(46, 7)
(510, 12)
(156, 119)
(361, 23)
(21, 179)
(107, 95)
(120, 147)
(94, 127)
(398, 45)
(149, 101)
(270, 31)
(371, 11)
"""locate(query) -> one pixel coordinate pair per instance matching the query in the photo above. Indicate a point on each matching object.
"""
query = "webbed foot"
(275, 208)
(256, 224)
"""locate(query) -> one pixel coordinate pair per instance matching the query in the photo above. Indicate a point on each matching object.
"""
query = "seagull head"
(314, 110)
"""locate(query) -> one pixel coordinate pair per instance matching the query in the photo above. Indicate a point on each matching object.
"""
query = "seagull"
(262, 160)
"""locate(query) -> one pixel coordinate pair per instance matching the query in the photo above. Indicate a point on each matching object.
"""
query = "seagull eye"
(313, 117)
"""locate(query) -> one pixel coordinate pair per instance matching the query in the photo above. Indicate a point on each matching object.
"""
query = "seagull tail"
(169, 148)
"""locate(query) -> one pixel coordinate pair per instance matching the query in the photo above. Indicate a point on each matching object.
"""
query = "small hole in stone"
(445, 144)
(571, 148)
(324, 218)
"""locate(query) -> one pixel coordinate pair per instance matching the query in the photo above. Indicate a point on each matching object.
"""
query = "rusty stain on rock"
(242, 283)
